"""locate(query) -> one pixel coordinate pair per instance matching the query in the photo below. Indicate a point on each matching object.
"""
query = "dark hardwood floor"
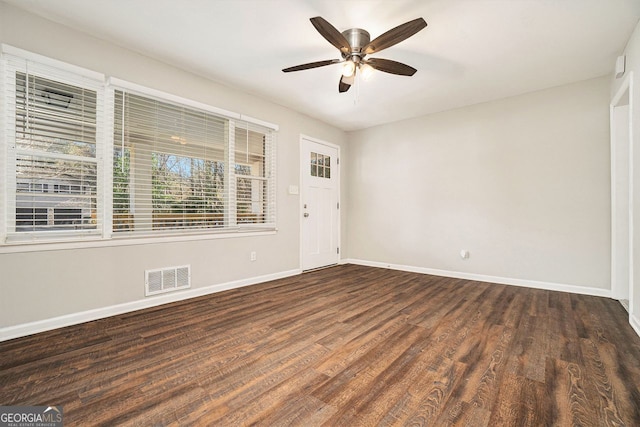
(344, 346)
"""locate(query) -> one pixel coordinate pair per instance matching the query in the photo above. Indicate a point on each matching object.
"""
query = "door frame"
(302, 168)
(616, 288)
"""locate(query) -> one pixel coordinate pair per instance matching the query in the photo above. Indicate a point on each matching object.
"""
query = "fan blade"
(332, 35)
(312, 65)
(394, 36)
(389, 66)
(345, 83)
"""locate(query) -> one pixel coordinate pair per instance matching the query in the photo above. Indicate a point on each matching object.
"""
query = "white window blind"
(171, 169)
(53, 130)
(254, 165)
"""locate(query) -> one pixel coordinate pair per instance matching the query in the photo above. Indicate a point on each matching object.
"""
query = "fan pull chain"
(356, 83)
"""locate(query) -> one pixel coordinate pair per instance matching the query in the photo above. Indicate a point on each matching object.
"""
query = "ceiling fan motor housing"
(357, 38)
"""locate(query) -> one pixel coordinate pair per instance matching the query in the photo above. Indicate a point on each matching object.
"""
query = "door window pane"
(314, 164)
(320, 165)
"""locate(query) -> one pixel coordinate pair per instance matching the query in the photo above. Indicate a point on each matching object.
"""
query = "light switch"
(293, 189)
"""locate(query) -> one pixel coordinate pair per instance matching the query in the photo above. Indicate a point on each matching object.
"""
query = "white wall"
(521, 183)
(632, 52)
(41, 285)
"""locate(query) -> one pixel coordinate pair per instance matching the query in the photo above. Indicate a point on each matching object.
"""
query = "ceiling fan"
(354, 45)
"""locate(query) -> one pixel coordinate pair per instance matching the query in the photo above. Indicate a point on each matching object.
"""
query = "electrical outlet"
(253, 256)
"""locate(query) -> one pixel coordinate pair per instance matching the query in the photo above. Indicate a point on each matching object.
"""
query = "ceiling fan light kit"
(348, 68)
(366, 71)
(355, 44)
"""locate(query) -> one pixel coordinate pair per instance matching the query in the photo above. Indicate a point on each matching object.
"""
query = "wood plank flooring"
(344, 346)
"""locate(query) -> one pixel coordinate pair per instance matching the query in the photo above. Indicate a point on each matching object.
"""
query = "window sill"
(97, 242)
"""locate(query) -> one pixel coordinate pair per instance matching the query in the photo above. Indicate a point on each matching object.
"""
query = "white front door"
(319, 199)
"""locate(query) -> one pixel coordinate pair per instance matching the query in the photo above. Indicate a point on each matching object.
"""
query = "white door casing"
(319, 203)
(622, 197)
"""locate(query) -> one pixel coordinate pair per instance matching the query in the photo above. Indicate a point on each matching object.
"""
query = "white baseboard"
(25, 329)
(550, 286)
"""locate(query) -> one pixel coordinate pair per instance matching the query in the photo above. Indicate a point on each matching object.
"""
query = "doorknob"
(306, 214)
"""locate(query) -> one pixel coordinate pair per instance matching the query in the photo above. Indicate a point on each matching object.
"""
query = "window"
(171, 173)
(55, 155)
(172, 166)
(252, 184)
(168, 166)
(52, 151)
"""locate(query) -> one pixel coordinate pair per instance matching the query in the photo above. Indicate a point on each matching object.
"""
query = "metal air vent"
(167, 279)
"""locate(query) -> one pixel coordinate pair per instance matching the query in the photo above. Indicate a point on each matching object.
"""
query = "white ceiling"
(472, 50)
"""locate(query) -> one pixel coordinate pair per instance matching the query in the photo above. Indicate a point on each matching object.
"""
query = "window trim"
(50, 62)
(104, 236)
